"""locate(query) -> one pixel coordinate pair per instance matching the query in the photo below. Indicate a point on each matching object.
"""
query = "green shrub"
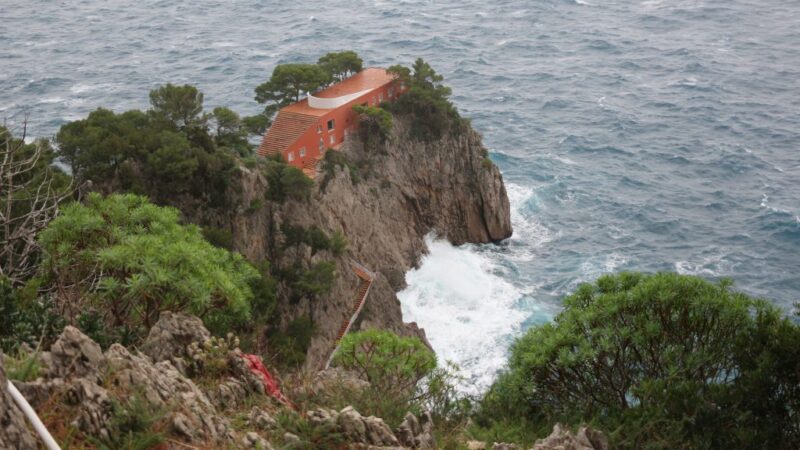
(660, 361)
(286, 182)
(134, 425)
(317, 280)
(375, 125)
(426, 102)
(288, 348)
(26, 317)
(332, 160)
(24, 366)
(130, 260)
(166, 151)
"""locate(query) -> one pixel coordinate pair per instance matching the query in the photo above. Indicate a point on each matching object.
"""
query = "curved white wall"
(335, 102)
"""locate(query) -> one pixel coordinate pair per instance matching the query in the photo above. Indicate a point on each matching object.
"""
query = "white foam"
(529, 232)
(466, 308)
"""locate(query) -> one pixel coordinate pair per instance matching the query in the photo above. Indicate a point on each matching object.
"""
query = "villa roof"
(368, 79)
(286, 128)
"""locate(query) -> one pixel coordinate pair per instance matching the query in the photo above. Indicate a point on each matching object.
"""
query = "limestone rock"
(162, 384)
(254, 440)
(260, 419)
(476, 445)
(416, 433)
(504, 446)
(13, 425)
(94, 407)
(562, 439)
(378, 433)
(74, 355)
(351, 425)
(169, 337)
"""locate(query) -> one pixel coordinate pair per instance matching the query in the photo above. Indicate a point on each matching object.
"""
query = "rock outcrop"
(372, 432)
(405, 191)
(14, 431)
(562, 439)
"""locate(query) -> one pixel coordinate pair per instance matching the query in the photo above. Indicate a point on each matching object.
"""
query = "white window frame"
(290, 157)
(333, 139)
(302, 152)
(331, 124)
(321, 144)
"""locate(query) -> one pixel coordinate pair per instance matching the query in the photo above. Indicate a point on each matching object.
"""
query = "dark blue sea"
(633, 135)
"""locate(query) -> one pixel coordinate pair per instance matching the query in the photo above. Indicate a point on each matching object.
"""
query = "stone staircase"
(287, 127)
(366, 277)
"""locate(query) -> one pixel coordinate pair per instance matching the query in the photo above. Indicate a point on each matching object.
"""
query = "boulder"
(351, 425)
(416, 433)
(74, 355)
(378, 433)
(261, 420)
(169, 337)
(562, 439)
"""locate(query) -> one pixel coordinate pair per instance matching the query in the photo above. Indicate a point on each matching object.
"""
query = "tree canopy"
(426, 101)
(340, 65)
(289, 82)
(131, 260)
(166, 151)
(660, 361)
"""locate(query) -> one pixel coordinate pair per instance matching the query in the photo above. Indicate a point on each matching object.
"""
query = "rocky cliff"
(400, 192)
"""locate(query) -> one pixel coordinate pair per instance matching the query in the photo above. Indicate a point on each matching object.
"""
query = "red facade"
(303, 131)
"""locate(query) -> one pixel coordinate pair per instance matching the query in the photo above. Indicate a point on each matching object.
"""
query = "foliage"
(218, 237)
(211, 359)
(134, 425)
(30, 193)
(315, 238)
(340, 65)
(264, 294)
(287, 83)
(331, 161)
(375, 125)
(230, 131)
(288, 348)
(426, 101)
(166, 151)
(661, 361)
(25, 366)
(26, 318)
(181, 105)
(286, 182)
(317, 280)
(391, 363)
(257, 124)
(312, 435)
(131, 260)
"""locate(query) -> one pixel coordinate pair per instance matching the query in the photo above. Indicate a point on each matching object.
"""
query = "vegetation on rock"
(130, 260)
(660, 361)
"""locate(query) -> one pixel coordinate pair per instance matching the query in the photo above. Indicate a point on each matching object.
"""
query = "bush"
(130, 260)
(317, 280)
(661, 361)
(426, 102)
(375, 125)
(163, 152)
(288, 348)
(26, 318)
(286, 182)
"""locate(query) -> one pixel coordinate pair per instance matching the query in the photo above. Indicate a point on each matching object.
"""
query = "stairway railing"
(366, 276)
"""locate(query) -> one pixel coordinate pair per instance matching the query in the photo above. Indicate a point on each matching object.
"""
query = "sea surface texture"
(632, 135)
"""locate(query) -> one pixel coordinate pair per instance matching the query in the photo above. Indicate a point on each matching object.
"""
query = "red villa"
(303, 131)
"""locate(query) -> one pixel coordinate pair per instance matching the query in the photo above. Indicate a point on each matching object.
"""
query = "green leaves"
(181, 105)
(660, 361)
(289, 81)
(340, 65)
(132, 260)
(392, 364)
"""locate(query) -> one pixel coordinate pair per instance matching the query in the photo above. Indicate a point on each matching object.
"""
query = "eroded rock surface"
(14, 431)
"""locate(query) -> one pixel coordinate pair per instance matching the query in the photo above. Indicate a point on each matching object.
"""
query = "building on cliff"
(303, 131)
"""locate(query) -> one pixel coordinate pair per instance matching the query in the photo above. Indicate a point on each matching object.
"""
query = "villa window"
(302, 152)
(319, 128)
(380, 97)
(333, 139)
(290, 156)
(321, 145)
(391, 92)
(330, 125)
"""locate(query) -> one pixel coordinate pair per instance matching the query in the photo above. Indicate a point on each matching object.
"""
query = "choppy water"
(643, 135)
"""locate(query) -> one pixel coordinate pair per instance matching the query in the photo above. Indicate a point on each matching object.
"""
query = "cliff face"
(404, 191)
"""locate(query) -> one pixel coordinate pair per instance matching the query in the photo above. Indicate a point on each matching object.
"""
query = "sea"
(656, 135)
